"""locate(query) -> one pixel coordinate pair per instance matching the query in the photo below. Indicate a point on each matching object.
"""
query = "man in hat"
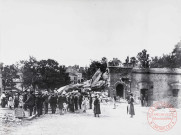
(3, 100)
(45, 101)
(39, 103)
(80, 100)
(97, 109)
(53, 102)
(25, 96)
(71, 102)
(30, 102)
(16, 100)
(90, 101)
(75, 101)
(61, 101)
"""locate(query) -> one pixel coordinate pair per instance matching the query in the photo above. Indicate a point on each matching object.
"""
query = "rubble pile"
(98, 83)
(10, 118)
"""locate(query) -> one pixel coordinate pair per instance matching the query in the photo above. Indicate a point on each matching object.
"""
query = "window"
(175, 92)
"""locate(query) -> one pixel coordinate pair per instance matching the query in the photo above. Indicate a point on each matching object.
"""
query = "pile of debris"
(98, 83)
(10, 118)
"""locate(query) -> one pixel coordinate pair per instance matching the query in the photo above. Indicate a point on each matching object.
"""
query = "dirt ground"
(111, 122)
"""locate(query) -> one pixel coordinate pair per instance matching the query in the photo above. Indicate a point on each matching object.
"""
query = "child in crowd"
(10, 102)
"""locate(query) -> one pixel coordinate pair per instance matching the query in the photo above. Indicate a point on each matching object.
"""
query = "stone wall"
(159, 82)
(115, 76)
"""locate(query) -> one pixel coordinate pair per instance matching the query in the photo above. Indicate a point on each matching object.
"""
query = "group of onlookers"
(10, 99)
(37, 102)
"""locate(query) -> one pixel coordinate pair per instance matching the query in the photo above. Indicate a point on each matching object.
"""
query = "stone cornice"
(114, 69)
(157, 71)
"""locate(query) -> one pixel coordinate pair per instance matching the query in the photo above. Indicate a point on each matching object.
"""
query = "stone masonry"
(160, 84)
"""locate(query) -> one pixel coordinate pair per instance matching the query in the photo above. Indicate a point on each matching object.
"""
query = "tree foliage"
(29, 72)
(9, 73)
(94, 66)
(172, 60)
(115, 62)
(133, 61)
(46, 74)
(52, 75)
(143, 58)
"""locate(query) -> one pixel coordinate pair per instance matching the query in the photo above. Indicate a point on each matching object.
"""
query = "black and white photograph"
(90, 67)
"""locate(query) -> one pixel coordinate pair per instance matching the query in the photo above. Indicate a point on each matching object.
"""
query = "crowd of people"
(39, 103)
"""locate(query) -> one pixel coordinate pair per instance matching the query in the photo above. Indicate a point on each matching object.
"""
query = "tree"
(29, 71)
(76, 67)
(94, 66)
(172, 60)
(9, 73)
(143, 58)
(65, 79)
(126, 61)
(133, 61)
(176, 54)
(166, 61)
(46, 74)
(115, 62)
(103, 66)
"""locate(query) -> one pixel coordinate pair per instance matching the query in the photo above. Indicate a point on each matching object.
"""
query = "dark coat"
(71, 100)
(39, 101)
(71, 103)
(16, 101)
(45, 98)
(97, 109)
(90, 100)
(75, 100)
(30, 101)
(80, 99)
(53, 100)
(131, 109)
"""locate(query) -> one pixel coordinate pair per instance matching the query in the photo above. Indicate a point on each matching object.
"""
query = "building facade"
(119, 81)
(159, 84)
(75, 76)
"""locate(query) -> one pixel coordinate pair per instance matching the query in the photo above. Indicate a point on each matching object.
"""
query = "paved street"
(112, 121)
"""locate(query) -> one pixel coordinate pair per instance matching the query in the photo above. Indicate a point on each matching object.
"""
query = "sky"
(78, 31)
